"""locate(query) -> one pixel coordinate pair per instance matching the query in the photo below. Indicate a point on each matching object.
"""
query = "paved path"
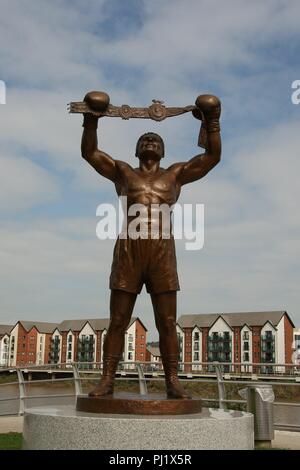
(286, 440)
(283, 439)
(11, 424)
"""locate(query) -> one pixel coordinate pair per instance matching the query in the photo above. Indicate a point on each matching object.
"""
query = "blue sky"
(52, 265)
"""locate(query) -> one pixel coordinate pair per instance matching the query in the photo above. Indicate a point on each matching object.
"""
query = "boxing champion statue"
(150, 261)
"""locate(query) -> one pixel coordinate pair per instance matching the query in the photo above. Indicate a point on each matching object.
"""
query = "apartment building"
(244, 337)
(30, 342)
(153, 355)
(82, 341)
(37, 343)
(296, 346)
(4, 344)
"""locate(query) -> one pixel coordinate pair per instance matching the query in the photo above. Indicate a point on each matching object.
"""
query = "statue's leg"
(164, 306)
(121, 307)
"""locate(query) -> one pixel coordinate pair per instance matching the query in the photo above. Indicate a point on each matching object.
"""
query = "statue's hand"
(209, 105)
(97, 100)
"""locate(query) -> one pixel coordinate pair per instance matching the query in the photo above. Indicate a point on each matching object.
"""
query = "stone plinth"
(62, 427)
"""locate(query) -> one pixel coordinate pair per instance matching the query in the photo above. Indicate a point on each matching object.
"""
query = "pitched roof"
(154, 350)
(77, 325)
(233, 319)
(5, 329)
(42, 327)
(98, 324)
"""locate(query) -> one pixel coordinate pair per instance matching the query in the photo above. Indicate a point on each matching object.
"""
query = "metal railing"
(221, 374)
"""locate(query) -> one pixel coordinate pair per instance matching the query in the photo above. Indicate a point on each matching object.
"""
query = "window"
(130, 337)
(70, 339)
(196, 356)
(142, 337)
(246, 335)
(246, 346)
(129, 356)
(69, 355)
(196, 336)
(246, 357)
(70, 347)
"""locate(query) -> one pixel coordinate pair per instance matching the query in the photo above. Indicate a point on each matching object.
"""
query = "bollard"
(260, 402)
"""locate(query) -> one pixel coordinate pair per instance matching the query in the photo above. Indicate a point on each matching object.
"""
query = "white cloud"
(24, 184)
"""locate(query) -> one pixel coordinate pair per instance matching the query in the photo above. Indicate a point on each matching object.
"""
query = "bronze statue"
(149, 261)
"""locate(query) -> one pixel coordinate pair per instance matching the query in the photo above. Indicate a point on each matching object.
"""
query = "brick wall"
(187, 357)
(288, 339)
(48, 337)
(26, 346)
(140, 342)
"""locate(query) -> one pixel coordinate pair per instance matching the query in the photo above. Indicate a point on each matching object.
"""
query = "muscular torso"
(140, 187)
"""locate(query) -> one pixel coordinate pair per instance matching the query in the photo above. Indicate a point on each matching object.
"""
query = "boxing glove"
(210, 108)
(97, 100)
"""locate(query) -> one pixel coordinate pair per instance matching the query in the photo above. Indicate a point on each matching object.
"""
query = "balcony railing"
(268, 337)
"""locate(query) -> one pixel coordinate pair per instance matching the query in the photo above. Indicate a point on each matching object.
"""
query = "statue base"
(134, 404)
(62, 427)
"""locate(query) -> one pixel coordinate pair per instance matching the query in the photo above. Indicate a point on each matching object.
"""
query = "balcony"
(87, 357)
(87, 340)
(55, 341)
(268, 358)
(268, 337)
(268, 349)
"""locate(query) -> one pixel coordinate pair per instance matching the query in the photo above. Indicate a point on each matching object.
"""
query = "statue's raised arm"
(101, 161)
(208, 110)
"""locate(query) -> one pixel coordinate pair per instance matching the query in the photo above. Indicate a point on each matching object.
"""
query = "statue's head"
(150, 144)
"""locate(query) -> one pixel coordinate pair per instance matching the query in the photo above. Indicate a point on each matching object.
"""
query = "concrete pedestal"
(63, 427)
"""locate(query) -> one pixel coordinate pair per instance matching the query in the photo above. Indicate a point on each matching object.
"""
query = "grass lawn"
(11, 441)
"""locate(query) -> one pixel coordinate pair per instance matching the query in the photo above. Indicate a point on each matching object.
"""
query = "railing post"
(142, 381)
(221, 387)
(77, 380)
(22, 392)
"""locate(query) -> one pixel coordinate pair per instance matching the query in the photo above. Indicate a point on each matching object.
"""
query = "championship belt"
(157, 111)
